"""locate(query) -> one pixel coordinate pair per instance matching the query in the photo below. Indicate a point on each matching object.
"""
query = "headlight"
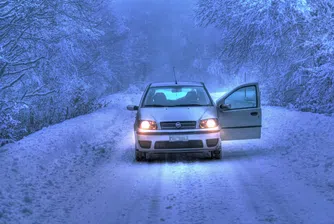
(148, 125)
(209, 123)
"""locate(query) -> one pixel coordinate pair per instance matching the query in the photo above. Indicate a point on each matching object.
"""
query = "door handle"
(254, 113)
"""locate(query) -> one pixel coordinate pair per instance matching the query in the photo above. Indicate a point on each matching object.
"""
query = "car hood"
(177, 113)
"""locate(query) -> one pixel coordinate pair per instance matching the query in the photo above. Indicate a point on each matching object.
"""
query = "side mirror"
(224, 106)
(132, 107)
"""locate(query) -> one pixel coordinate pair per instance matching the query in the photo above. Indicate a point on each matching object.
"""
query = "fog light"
(145, 144)
(212, 142)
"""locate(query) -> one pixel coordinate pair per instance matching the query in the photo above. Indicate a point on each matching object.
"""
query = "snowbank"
(39, 174)
(305, 142)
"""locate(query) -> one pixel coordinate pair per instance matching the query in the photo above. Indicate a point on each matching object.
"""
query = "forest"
(58, 58)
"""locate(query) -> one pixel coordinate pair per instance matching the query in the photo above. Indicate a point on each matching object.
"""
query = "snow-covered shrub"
(52, 62)
(135, 89)
(318, 94)
(8, 129)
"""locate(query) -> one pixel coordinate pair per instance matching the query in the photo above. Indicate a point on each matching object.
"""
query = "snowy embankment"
(40, 175)
(43, 176)
(305, 143)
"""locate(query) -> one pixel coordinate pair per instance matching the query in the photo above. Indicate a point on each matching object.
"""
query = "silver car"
(182, 117)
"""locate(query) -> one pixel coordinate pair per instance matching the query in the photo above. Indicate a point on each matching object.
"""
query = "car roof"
(157, 84)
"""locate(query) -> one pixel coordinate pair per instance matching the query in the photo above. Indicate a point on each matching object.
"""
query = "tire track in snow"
(192, 201)
(265, 204)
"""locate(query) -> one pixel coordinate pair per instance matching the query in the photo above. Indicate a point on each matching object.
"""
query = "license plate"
(178, 138)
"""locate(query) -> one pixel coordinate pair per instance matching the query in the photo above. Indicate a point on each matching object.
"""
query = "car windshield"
(177, 96)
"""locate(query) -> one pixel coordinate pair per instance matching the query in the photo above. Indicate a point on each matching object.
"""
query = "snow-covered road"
(83, 171)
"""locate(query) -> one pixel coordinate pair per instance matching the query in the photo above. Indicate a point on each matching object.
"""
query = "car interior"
(192, 97)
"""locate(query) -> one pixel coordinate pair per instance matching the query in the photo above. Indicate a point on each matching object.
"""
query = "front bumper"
(160, 141)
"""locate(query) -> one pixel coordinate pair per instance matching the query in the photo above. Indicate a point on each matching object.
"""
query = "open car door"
(240, 114)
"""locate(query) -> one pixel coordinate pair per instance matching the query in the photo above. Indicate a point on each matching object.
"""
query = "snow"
(83, 171)
(216, 95)
(41, 171)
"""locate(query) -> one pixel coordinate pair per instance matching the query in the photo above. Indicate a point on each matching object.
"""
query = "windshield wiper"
(178, 105)
(155, 105)
(191, 105)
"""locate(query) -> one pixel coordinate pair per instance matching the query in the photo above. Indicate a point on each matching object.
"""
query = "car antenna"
(174, 75)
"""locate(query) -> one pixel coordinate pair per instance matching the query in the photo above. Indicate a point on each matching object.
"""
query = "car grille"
(172, 125)
(178, 144)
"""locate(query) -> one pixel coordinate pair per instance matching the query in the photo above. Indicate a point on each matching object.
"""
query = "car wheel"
(140, 156)
(217, 154)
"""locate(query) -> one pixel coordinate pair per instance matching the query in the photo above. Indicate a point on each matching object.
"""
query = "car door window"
(244, 97)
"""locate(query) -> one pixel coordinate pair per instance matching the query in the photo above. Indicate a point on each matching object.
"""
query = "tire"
(140, 156)
(217, 154)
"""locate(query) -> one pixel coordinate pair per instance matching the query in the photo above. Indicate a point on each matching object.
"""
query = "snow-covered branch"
(12, 83)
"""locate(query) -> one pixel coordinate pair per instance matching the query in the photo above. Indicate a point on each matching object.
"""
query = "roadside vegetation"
(57, 59)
